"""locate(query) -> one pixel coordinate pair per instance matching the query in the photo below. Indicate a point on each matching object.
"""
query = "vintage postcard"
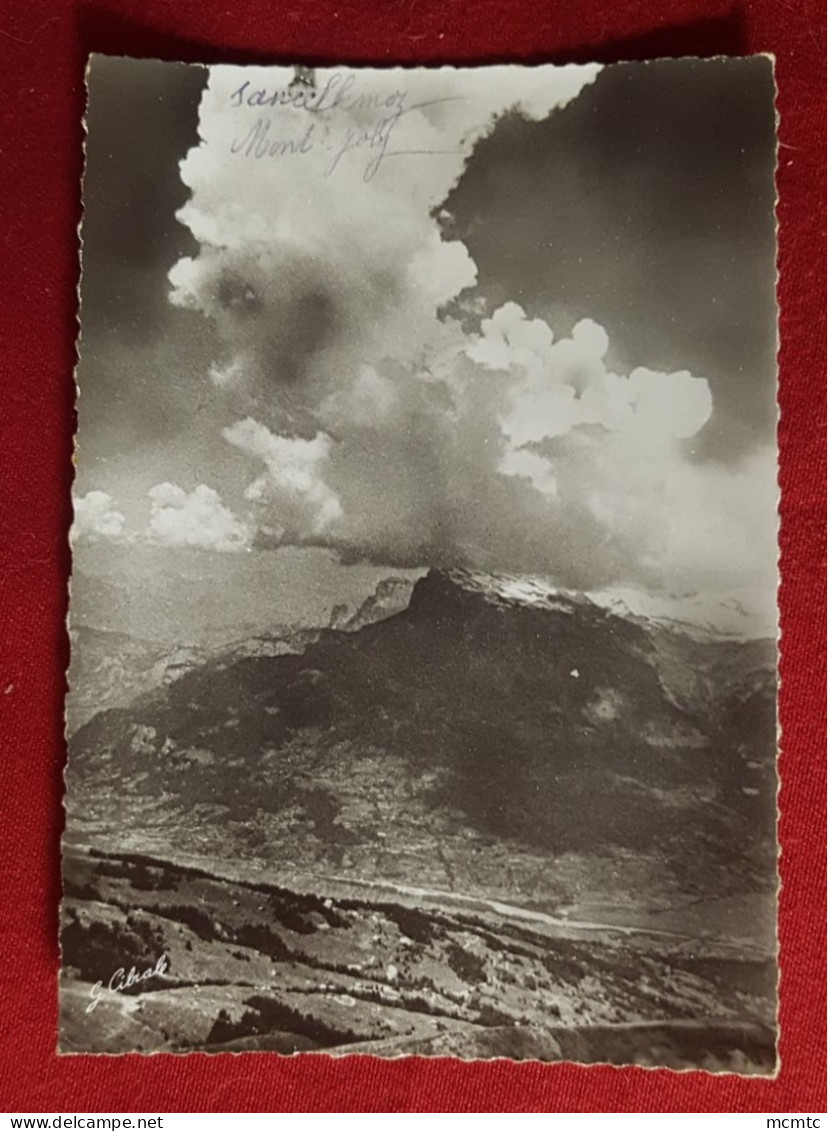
(423, 604)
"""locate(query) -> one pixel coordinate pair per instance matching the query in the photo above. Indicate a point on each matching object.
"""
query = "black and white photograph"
(423, 620)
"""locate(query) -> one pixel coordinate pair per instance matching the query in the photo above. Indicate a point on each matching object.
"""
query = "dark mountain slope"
(473, 718)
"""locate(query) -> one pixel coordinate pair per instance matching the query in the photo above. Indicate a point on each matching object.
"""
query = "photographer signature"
(125, 979)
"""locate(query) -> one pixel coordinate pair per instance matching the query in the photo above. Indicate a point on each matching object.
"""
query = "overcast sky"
(643, 201)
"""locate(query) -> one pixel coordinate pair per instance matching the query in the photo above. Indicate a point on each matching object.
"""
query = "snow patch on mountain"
(740, 614)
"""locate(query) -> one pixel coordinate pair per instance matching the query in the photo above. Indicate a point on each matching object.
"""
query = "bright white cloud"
(197, 518)
(97, 519)
(383, 427)
(293, 486)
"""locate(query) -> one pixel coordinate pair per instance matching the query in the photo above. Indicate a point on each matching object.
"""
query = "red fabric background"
(44, 44)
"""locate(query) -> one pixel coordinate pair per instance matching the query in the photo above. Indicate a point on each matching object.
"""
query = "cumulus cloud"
(196, 518)
(566, 383)
(309, 270)
(96, 518)
(377, 423)
(292, 485)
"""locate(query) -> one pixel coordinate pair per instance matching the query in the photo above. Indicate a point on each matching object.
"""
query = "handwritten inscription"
(258, 142)
(332, 135)
(337, 93)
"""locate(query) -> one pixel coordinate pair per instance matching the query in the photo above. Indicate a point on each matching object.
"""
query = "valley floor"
(392, 969)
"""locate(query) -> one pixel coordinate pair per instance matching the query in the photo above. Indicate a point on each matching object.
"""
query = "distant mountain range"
(483, 722)
(391, 596)
(478, 815)
(176, 597)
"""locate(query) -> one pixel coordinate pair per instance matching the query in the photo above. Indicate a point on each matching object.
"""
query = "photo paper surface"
(423, 603)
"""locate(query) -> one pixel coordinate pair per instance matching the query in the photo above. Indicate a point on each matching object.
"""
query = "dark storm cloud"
(290, 373)
(142, 118)
(647, 204)
(135, 372)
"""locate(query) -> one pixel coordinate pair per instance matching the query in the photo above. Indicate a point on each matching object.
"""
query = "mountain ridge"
(466, 717)
(495, 816)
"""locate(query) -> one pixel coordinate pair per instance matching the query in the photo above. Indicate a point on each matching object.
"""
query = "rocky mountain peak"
(740, 616)
(391, 596)
(456, 587)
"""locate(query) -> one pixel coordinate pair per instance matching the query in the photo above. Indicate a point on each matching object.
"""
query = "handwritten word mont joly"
(373, 140)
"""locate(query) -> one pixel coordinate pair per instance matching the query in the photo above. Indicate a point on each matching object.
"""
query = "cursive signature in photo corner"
(123, 979)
